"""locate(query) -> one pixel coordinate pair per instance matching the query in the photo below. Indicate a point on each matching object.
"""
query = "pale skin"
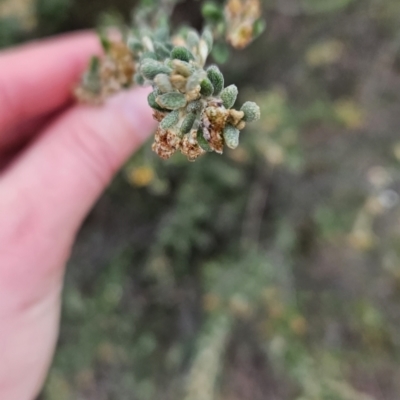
(56, 158)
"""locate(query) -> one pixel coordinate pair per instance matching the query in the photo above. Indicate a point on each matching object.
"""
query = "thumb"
(62, 174)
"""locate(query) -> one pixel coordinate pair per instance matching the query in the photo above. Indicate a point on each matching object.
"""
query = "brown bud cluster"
(115, 72)
(241, 16)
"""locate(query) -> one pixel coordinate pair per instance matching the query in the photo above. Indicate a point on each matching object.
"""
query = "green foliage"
(229, 96)
(231, 136)
(170, 120)
(216, 78)
(171, 101)
(181, 53)
(174, 64)
(207, 88)
(251, 111)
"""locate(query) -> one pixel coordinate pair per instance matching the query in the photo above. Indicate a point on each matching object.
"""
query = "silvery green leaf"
(151, 99)
(212, 11)
(202, 142)
(181, 53)
(195, 80)
(138, 79)
(216, 78)
(135, 45)
(229, 96)
(259, 27)
(105, 43)
(91, 79)
(171, 101)
(221, 53)
(151, 68)
(163, 83)
(170, 120)
(194, 106)
(161, 51)
(162, 33)
(207, 88)
(207, 36)
(182, 68)
(192, 39)
(187, 123)
(231, 136)
(251, 111)
(148, 55)
(94, 66)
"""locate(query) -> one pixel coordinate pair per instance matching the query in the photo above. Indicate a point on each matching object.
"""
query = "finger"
(25, 132)
(20, 134)
(38, 78)
(54, 183)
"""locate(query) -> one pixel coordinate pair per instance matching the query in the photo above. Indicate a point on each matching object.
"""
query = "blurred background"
(271, 272)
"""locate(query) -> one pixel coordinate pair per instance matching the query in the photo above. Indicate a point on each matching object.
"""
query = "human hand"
(55, 160)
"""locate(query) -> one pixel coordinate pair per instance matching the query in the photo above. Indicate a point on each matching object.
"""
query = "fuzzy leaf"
(221, 53)
(212, 11)
(207, 88)
(182, 68)
(148, 55)
(171, 101)
(231, 136)
(229, 96)
(163, 83)
(161, 51)
(195, 80)
(251, 111)
(105, 43)
(194, 106)
(182, 53)
(207, 36)
(216, 78)
(192, 39)
(203, 142)
(151, 99)
(135, 45)
(94, 66)
(170, 120)
(138, 79)
(259, 27)
(151, 68)
(187, 123)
